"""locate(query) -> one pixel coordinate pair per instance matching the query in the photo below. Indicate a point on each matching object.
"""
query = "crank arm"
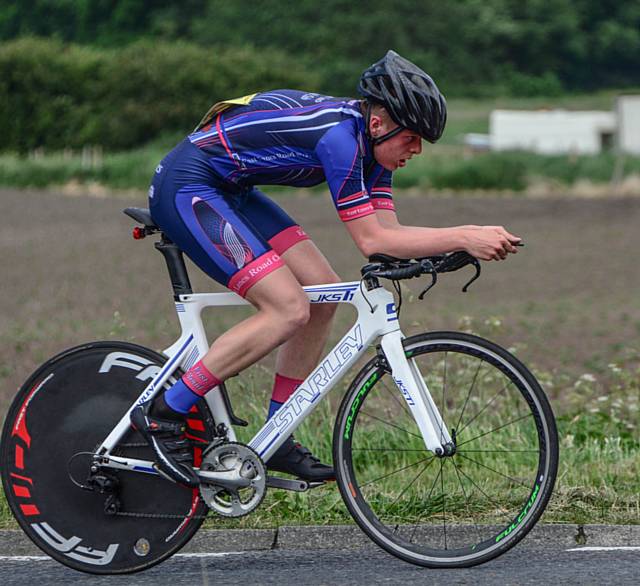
(226, 479)
(297, 485)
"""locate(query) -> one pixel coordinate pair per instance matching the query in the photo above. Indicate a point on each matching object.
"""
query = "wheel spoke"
(495, 429)
(393, 395)
(473, 384)
(444, 503)
(468, 423)
(499, 451)
(435, 481)
(411, 483)
(494, 470)
(476, 485)
(390, 424)
(396, 471)
(387, 450)
(464, 492)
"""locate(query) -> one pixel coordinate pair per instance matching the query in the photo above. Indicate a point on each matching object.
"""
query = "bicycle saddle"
(142, 216)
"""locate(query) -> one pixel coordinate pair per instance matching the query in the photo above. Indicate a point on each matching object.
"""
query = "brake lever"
(428, 267)
(476, 263)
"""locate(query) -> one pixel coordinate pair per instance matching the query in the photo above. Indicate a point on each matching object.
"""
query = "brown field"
(568, 302)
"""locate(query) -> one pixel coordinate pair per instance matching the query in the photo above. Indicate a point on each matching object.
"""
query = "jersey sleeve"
(380, 190)
(341, 158)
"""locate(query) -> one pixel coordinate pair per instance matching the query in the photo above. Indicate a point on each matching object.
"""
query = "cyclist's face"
(394, 152)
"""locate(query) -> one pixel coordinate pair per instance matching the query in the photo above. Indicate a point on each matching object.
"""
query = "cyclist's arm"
(388, 219)
(374, 236)
(339, 153)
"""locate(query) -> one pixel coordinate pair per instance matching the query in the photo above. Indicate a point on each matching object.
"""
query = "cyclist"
(203, 196)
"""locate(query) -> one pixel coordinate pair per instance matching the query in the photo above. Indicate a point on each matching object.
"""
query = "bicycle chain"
(150, 515)
(155, 515)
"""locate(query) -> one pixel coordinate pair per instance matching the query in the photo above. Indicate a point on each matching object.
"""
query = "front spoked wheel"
(460, 510)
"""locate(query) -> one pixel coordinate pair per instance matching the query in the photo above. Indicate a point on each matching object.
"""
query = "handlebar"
(388, 267)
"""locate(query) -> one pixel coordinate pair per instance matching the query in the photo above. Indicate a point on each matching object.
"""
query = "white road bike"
(445, 447)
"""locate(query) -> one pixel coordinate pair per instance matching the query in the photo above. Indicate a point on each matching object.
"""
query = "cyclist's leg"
(204, 223)
(207, 226)
(298, 356)
(301, 352)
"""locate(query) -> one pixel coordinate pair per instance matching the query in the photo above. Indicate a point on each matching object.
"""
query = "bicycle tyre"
(377, 453)
(69, 405)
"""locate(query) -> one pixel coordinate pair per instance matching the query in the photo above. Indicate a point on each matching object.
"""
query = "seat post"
(175, 264)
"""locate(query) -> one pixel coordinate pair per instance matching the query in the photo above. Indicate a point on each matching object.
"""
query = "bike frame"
(376, 319)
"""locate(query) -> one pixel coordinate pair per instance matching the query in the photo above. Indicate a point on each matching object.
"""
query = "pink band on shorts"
(199, 379)
(287, 238)
(250, 274)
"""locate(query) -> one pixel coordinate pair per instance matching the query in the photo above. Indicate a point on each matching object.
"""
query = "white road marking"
(609, 548)
(44, 558)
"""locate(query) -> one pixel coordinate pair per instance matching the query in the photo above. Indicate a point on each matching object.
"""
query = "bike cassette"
(233, 479)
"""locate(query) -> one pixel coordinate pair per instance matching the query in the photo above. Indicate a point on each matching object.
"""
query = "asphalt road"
(523, 565)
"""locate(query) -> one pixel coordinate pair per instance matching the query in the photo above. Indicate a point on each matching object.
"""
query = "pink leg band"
(283, 387)
(199, 379)
(258, 268)
(287, 238)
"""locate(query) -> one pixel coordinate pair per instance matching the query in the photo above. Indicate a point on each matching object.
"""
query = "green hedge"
(56, 95)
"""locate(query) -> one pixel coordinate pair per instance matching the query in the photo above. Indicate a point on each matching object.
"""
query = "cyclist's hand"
(490, 242)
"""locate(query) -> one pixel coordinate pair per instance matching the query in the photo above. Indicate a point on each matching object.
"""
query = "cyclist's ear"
(376, 125)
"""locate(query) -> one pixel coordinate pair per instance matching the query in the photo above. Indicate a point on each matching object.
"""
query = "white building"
(552, 132)
(628, 112)
(563, 131)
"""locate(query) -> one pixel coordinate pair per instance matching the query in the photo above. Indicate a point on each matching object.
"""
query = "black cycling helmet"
(409, 95)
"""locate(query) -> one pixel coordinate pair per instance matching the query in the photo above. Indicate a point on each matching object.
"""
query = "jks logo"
(333, 296)
(404, 391)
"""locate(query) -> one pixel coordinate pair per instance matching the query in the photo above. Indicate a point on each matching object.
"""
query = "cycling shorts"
(235, 235)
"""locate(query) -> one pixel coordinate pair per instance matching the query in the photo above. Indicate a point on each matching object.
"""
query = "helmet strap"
(387, 136)
(374, 141)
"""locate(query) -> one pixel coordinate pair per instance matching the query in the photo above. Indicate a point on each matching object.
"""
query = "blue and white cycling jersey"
(204, 195)
(289, 137)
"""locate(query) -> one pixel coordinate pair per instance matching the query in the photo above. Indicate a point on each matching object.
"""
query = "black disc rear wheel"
(471, 505)
(69, 406)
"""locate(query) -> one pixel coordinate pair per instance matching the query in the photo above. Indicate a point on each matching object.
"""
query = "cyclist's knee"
(326, 276)
(287, 306)
(324, 311)
(296, 312)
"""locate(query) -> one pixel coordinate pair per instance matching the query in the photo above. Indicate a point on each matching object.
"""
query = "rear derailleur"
(108, 484)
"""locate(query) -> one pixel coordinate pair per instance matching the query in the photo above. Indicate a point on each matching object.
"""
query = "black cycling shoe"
(293, 458)
(167, 438)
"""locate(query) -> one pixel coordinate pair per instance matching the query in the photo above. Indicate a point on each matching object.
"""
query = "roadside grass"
(598, 476)
(446, 166)
(454, 169)
(565, 305)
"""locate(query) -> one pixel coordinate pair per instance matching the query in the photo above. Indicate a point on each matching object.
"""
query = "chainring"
(246, 470)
